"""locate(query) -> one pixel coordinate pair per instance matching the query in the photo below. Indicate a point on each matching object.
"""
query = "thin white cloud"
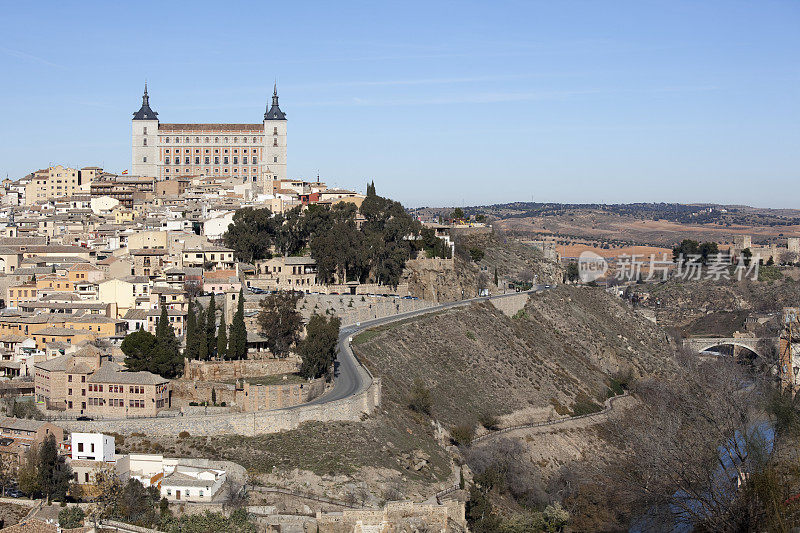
(29, 57)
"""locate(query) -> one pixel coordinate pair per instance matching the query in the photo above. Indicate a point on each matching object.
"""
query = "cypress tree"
(163, 329)
(222, 339)
(167, 357)
(211, 326)
(495, 276)
(190, 351)
(237, 325)
(54, 473)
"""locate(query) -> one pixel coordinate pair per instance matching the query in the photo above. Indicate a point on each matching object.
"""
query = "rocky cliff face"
(679, 303)
(441, 280)
(459, 278)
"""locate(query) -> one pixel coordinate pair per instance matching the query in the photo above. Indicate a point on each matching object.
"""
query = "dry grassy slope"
(478, 360)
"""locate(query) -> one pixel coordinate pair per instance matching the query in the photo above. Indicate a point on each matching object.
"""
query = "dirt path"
(576, 422)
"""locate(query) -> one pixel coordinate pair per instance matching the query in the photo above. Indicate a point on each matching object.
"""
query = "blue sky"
(441, 103)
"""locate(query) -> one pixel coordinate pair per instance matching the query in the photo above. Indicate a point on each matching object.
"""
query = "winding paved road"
(350, 376)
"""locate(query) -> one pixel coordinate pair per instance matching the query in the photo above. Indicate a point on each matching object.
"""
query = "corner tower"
(275, 139)
(144, 137)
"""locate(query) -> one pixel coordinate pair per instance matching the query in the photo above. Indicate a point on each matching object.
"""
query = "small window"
(144, 159)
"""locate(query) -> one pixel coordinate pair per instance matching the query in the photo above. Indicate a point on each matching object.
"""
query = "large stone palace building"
(249, 152)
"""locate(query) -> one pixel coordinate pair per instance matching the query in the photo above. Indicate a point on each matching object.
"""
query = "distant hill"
(653, 224)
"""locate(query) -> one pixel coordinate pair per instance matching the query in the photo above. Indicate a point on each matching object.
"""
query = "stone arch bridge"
(701, 344)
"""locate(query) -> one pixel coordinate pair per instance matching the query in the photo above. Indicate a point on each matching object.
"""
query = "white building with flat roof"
(92, 447)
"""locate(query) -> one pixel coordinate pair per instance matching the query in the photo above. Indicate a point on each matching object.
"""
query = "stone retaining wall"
(247, 368)
(247, 397)
(347, 409)
(510, 305)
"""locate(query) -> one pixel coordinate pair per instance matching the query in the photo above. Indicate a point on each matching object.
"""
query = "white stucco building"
(92, 447)
(246, 152)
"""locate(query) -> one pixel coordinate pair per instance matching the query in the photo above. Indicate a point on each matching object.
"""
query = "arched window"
(206, 139)
(225, 139)
(236, 140)
(255, 140)
(197, 139)
(187, 139)
(167, 140)
(145, 142)
(216, 139)
(244, 140)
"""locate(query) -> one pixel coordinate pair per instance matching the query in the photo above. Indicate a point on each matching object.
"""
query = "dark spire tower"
(275, 140)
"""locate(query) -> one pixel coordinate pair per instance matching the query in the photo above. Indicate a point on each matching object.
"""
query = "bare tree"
(363, 495)
(788, 258)
(193, 288)
(483, 281)
(689, 445)
(526, 275)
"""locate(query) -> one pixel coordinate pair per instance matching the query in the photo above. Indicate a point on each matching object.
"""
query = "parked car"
(84, 418)
(14, 493)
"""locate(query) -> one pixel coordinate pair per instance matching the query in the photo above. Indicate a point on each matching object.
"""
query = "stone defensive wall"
(349, 409)
(194, 370)
(244, 396)
(437, 517)
(370, 308)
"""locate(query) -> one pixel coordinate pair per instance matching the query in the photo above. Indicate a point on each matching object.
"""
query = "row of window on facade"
(133, 389)
(208, 139)
(177, 151)
(207, 160)
(116, 402)
(188, 171)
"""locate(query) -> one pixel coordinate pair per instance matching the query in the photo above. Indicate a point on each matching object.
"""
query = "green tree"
(252, 233)
(747, 255)
(280, 322)
(371, 188)
(136, 504)
(238, 341)
(222, 340)
(139, 347)
(71, 517)
(318, 349)
(190, 351)
(211, 326)
(167, 360)
(213, 396)
(572, 271)
(708, 250)
(200, 340)
(28, 473)
(458, 214)
(54, 473)
(685, 249)
(496, 281)
(476, 254)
